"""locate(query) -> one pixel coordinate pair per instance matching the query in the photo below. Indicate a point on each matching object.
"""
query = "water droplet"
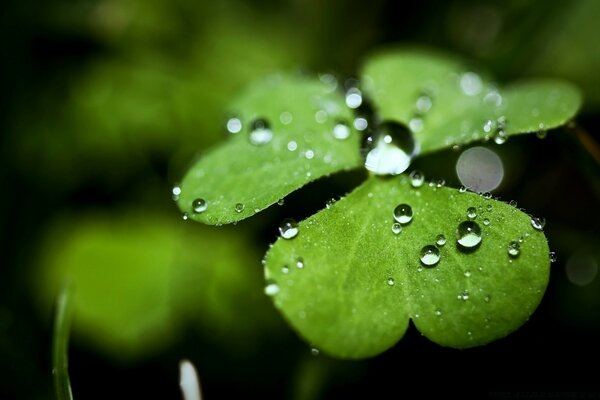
(415, 124)
(391, 151)
(199, 206)
(500, 137)
(487, 195)
(292, 145)
(234, 125)
(391, 282)
(329, 203)
(321, 116)
(185, 216)
(175, 192)
(462, 189)
(260, 132)
(440, 240)
(285, 269)
(541, 134)
(309, 154)
(470, 83)
(487, 298)
(360, 124)
(553, 257)
(416, 178)
(286, 117)
(396, 228)
(280, 202)
(514, 249)
(486, 221)
(464, 295)
(299, 263)
(403, 213)
(341, 131)
(314, 351)
(513, 203)
(468, 234)
(493, 98)
(538, 223)
(353, 97)
(288, 228)
(438, 312)
(488, 207)
(440, 182)
(471, 212)
(423, 104)
(430, 255)
(271, 289)
(489, 126)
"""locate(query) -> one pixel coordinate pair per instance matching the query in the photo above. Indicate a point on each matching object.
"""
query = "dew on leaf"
(285, 269)
(360, 123)
(471, 213)
(272, 289)
(416, 124)
(541, 134)
(538, 223)
(462, 189)
(391, 151)
(440, 240)
(299, 263)
(314, 351)
(470, 83)
(286, 117)
(321, 116)
(438, 312)
(309, 154)
(553, 257)
(199, 206)
(239, 207)
(234, 125)
(403, 214)
(353, 98)
(396, 228)
(423, 104)
(486, 221)
(292, 145)
(288, 229)
(487, 298)
(430, 255)
(416, 178)
(184, 216)
(468, 234)
(464, 295)
(514, 249)
(341, 131)
(391, 282)
(260, 132)
(175, 192)
(467, 274)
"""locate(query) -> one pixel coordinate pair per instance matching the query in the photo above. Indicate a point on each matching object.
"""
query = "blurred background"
(105, 103)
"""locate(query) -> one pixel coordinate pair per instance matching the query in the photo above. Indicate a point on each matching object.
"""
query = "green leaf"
(60, 345)
(461, 101)
(342, 302)
(256, 176)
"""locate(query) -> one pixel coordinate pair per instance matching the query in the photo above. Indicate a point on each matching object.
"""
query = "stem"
(60, 343)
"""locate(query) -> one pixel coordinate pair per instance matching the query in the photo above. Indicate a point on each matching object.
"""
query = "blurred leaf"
(138, 282)
(445, 104)
(240, 178)
(361, 284)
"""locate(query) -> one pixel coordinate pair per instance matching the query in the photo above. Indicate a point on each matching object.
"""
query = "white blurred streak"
(188, 381)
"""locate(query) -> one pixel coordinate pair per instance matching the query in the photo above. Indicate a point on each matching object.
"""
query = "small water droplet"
(360, 124)
(309, 154)
(553, 257)
(314, 351)
(239, 207)
(415, 124)
(260, 132)
(471, 213)
(489, 126)
(396, 228)
(462, 189)
(341, 131)
(403, 213)
(467, 273)
(487, 298)
(487, 195)
(464, 295)
(438, 312)
(423, 104)
(391, 151)
(488, 207)
(440, 240)
(175, 192)
(185, 216)
(514, 249)
(538, 223)
(286, 117)
(440, 183)
(234, 125)
(285, 269)
(271, 289)
(288, 228)
(430, 255)
(299, 263)
(292, 145)
(470, 83)
(280, 202)
(416, 178)
(329, 203)
(493, 98)
(486, 221)
(541, 134)
(468, 234)
(199, 206)
(391, 282)
(353, 97)
(321, 116)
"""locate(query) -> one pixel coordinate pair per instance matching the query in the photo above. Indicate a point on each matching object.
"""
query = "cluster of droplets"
(495, 129)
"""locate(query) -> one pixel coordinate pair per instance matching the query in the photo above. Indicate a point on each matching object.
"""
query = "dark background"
(104, 103)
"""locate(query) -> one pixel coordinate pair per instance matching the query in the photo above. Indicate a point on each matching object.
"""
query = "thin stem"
(60, 344)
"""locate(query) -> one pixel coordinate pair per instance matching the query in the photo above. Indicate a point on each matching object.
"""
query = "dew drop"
(288, 229)
(486, 221)
(489, 126)
(487, 298)
(541, 134)
(464, 295)
(286, 117)
(438, 312)
(285, 269)
(487, 195)
(467, 274)
(470, 83)
(468, 234)
(260, 132)
(309, 154)
(280, 202)
(321, 116)
(360, 124)
(403, 214)
(272, 289)
(423, 104)
(430, 255)
(341, 131)
(538, 223)
(175, 192)
(391, 282)
(299, 263)
(440, 240)
(314, 351)
(416, 178)
(416, 124)
(239, 207)
(353, 97)
(292, 145)
(185, 216)
(462, 189)
(471, 213)
(553, 257)
(391, 150)
(396, 228)
(514, 249)
(234, 125)
(199, 206)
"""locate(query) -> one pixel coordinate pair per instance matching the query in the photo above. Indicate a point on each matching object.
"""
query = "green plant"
(467, 269)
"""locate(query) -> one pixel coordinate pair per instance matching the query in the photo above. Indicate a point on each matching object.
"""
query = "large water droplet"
(288, 229)
(440, 240)
(260, 132)
(430, 255)
(468, 234)
(538, 223)
(403, 213)
(341, 131)
(514, 249)
(396, 228)
(391, 150)
(272, 289)
(417, 178)
(471, 213)
(199, 206)
(234, 125)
